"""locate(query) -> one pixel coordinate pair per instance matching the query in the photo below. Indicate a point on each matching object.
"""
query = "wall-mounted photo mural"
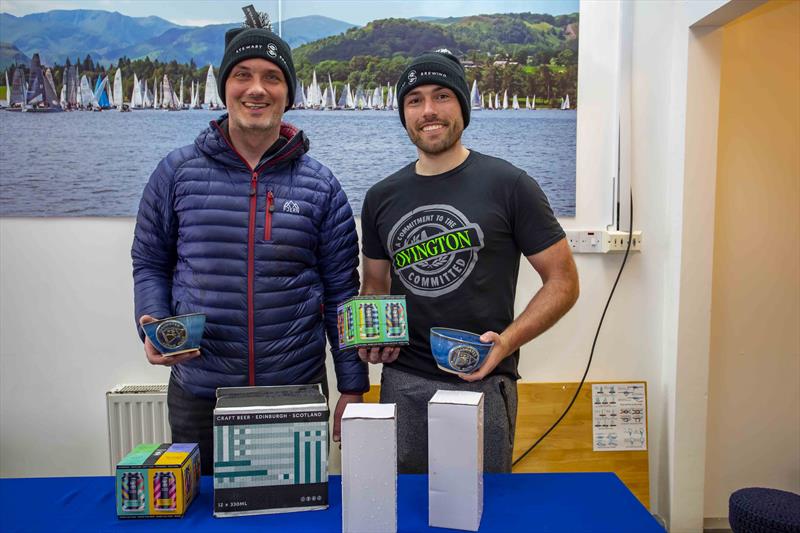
(92, 99)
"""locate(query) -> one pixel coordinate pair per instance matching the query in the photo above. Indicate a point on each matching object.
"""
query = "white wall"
(66, 325)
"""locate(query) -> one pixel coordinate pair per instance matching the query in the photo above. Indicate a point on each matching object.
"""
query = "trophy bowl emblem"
(463, 358)
(171, 334)
(458, 351)
(176, 334)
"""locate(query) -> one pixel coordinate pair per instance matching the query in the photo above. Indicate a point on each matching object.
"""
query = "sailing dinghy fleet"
(38, 94)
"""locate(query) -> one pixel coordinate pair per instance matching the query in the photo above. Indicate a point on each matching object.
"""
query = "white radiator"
(136, 414)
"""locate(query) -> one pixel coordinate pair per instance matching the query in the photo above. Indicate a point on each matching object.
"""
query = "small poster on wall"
(619, 417)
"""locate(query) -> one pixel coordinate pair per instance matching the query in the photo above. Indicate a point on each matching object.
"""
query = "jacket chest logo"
(291, 207)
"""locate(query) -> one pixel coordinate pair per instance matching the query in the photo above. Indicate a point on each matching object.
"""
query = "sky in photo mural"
(153, 57)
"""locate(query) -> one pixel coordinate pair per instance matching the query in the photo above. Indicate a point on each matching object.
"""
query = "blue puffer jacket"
(266, 254)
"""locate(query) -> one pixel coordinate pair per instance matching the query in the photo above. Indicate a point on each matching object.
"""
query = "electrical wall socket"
(617, 241)
(602, 241)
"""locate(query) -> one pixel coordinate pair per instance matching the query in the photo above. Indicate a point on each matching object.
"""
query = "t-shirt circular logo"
(272, 50)
(171, 334)
(463, 358)
(412, 77)
(434, 249)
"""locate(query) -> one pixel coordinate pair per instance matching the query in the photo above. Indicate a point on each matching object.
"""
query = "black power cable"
(594, 343)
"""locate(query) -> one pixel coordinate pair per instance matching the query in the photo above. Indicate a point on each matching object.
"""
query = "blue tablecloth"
(563, 503)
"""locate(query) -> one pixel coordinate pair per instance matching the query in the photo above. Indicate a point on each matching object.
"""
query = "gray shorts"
(411, 394)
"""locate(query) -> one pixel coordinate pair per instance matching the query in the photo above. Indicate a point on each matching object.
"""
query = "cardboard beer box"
(270, 450)
(455, 459)
(373, 321)
(157, 480)
(369, 468)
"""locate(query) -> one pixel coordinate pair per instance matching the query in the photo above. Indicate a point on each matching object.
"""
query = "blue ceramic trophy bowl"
(176, 334)
(457, 351)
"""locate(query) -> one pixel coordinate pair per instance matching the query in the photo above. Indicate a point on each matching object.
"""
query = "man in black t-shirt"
(447, 231)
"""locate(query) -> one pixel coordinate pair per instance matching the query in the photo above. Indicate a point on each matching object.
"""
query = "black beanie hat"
(246, 43)
(435, 68)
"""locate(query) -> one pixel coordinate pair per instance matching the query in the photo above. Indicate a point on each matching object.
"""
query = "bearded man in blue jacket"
(245, 227)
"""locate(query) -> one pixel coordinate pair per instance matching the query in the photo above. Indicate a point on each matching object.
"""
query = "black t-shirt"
(455, 242)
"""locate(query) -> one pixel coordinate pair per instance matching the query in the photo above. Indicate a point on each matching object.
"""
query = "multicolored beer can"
(164, 491)
(132, 491)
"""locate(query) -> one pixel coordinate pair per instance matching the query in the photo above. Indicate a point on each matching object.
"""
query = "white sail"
(330, 101)
(299, 96)
(394, 98)
(389, 97)
(315, 96)
(180, 95)
(85, 99)
(136, 95)
(533, 102)
(211, 99)
(514, 102)
(475, 96)
(155, 94)
(505, 99)
(565, 103)
(350, 102)
(497, 100)
(360, 98)
(166, 93)
(377, 98)
(63, 100)
(146, 96)
(118, 89)
(211, 82)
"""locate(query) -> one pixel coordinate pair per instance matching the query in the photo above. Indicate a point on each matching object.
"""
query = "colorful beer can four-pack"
(373, 321)
(157, 480)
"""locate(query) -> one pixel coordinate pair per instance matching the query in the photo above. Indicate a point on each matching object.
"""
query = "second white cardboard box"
(455, 459)
(369, 468)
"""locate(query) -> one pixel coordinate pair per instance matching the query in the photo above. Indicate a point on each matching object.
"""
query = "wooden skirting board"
(569, 447)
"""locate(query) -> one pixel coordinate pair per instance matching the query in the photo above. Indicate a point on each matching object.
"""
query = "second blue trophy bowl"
(458, 351)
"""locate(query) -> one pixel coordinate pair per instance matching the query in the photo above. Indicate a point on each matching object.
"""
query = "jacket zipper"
(251, 245)
(251, 233)
(268, 216)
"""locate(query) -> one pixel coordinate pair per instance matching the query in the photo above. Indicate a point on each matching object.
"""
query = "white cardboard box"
(455, 459)
(369, 468)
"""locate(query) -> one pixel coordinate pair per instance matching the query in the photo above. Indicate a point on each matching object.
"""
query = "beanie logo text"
(248, 47)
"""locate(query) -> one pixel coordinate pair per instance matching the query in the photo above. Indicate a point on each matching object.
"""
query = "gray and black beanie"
(435, 68)
(246, 43)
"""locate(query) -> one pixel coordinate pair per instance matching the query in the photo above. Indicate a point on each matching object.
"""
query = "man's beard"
(434, 147)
